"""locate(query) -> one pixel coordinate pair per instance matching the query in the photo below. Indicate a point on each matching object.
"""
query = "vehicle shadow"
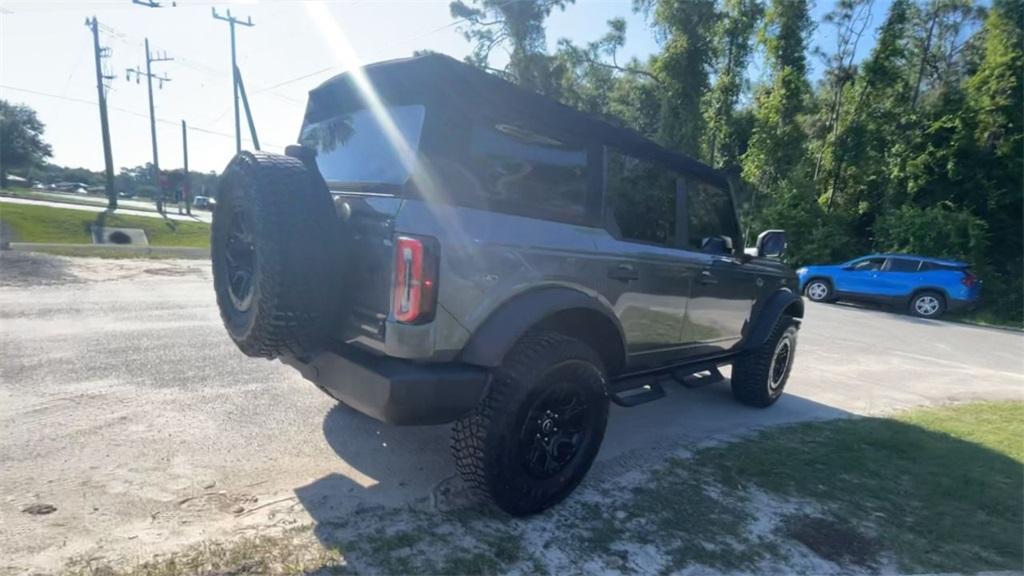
(402, 468)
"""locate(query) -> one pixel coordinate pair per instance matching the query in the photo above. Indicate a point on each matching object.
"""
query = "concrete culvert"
(118, 237)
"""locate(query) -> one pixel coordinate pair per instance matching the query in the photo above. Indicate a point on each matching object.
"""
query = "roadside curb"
(111, 249)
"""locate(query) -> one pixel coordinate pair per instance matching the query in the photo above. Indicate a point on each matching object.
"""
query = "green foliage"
(940, 231)
(518, 25)
(21, 139)
(683, 66)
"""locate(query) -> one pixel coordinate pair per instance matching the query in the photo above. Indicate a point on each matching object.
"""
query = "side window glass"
(903, 265)
(641, 196)
(526, 173)
(869, 264)
(710, 213)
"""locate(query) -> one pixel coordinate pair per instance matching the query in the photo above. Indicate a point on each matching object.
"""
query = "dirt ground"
(125, 408)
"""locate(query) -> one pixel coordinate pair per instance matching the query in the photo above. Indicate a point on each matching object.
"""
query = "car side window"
(523, 172)
(641, 197)
(710, 213)
(869, 264)
(902, 265)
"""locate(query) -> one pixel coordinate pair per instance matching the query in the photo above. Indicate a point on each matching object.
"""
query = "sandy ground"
(124, 405)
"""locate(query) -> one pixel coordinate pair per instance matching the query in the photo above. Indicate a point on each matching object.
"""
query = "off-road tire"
(752, 373)
(916, 308)
(488, 443)
(295, 292)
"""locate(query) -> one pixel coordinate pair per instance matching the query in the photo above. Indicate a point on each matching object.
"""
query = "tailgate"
(368, 271)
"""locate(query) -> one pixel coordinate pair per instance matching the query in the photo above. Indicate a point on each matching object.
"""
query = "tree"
(519, 25)
(772, 164)
(683, 67)
(21, 139)
(733, 41)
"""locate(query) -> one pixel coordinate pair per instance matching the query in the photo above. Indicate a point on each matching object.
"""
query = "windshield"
(353, 148)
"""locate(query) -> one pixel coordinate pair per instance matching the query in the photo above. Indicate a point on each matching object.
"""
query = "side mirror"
(771, 244)
(717, 245)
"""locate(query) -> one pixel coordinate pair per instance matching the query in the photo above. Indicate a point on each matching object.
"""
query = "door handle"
(706, 277)
(623, 272)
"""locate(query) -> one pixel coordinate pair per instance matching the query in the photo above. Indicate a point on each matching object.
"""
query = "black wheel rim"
(240, 261)
(780, 363)
(554, 430)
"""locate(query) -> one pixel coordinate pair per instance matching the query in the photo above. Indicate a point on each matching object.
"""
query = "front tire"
(759, 377)
(534, 437)
(819, 290)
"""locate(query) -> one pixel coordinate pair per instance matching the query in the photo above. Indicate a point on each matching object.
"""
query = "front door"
(723, 293)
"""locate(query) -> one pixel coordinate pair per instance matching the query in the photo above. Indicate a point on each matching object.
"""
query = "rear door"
(647, 276)
(898, 278)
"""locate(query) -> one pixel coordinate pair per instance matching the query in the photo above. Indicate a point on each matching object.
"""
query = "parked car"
(203, 202)
(926, 287)
(479, 254)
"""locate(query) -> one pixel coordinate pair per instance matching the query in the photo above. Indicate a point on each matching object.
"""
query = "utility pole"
(101, 88)
(185, 187)
(232, 21)
(162, 57)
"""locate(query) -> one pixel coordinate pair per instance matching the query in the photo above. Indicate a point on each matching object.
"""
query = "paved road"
(197, 215)
(123, 404)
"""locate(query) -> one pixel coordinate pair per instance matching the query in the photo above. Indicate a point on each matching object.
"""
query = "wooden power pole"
(101, 88)
(236, 80)
(162, 57)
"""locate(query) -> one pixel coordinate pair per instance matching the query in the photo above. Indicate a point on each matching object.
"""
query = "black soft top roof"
(436, 79)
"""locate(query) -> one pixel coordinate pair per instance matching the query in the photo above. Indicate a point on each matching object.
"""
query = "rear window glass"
(524, 172)
(356, 149)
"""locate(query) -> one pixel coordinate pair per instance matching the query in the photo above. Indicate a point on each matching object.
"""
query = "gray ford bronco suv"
(443, 246)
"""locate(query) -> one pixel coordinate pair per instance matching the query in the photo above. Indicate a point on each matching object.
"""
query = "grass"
(46, 224)
(935, 490)
(942, 489)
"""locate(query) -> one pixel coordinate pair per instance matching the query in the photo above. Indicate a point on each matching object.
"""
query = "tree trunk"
(924, 58)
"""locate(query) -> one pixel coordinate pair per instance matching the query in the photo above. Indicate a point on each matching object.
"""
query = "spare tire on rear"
(275, 250)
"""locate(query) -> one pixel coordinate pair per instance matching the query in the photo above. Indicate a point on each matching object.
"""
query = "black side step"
(631, 392)
(700, 379)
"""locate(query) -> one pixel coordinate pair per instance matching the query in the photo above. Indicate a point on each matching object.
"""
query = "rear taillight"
(415, 292)
(969, 280)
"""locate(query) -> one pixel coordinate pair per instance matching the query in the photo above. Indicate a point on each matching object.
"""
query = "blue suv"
(926, 286)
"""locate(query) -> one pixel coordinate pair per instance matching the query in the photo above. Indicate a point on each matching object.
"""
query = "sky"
(46, 62)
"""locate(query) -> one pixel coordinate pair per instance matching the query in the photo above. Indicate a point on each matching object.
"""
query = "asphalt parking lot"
(124, 405)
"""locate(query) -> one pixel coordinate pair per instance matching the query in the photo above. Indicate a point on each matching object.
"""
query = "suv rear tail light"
(415, 286)
(969, 280)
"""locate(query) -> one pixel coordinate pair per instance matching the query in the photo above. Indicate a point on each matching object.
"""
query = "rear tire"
(759, 377)
(535, 435)
(274, 246)
(927, 304)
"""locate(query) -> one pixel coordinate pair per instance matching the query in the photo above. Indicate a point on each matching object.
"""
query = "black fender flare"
(774, 307)
(512, 319)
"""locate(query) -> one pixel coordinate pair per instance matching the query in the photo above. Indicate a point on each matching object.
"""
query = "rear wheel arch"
(557, 309)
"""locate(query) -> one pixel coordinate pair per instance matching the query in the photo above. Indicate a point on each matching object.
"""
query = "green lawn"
(933, 490)
(68, 226)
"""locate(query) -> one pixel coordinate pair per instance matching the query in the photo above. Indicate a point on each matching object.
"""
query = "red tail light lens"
(415, 285)
(969, 280)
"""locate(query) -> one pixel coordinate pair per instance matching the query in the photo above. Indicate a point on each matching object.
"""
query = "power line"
(236, 80)
(135, 113)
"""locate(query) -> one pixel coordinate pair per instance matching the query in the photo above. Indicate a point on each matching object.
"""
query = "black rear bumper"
(393, 390)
